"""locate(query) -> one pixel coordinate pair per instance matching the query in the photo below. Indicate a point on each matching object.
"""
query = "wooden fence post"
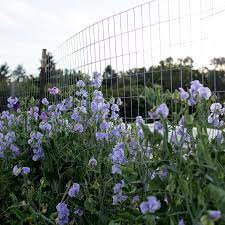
(42, 77)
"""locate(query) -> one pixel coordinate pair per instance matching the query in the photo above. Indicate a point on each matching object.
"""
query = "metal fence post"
(42, 77)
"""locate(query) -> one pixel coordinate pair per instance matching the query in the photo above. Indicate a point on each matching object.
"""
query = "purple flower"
(204, 93)
(74, 190)
(79, 212)
(151, 206)
(153, 115)
(116, 169)
(136, 198)
(13, 102)
(214, 214)
(158, 126)
(16, 170)
(118, 156)
(101, 136)
(191, 101)
(183, 94)
(44, 126)
(162, 110)
(25, 170)
(38, 154)
(45, 101)
(44, 116)
(118, 198)
(118, 187)
(97, 81)
(104, 125)
(53, 90)
(79, 128)
(181, 222)
(139, 120)
(115, 108)
(216, 108)
(80, 84)
(195, 85)
(63, 213)
(164, 171)
(75, 116)
(15, 150)
(92, 162)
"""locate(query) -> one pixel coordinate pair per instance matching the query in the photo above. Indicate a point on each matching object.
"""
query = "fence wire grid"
(163, 42)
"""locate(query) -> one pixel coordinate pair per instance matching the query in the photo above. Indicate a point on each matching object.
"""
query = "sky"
(28, 26)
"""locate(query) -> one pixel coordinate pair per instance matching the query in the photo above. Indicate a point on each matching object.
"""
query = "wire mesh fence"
(162, 42)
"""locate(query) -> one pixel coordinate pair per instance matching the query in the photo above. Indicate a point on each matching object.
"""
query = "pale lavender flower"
(183, 94)
(118, 187)
(79, 128)
(158, 126)
(80, 84)
(118, 156)
(162, 110)
(45, 101)
(214, 214)
(116, 169)
(13, 102)
(63, 213)
(115, 108)
(16, 170)
(75, 115)
(92, 162)
(139, 120)
(114, 116)
(97, 81)
(164, 171)
(181, 222)
(151, 206)
(136, 198)
(38, 154)
(83, 109)
(44, 126)
(195, 85)
(25, 170)
(204, 93)
(191, 101)
(101, 136)
(118, 198)
(119, 101)
(15, 150)
(44, 116)
(79, 212)
(216, 108)
(104, 125)
(153, 115)
(53, 90)
(74, 190)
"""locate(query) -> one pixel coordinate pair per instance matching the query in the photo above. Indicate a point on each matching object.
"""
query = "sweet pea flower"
(181, 222)
(162, 110)
(25, 170)
(204, 93)
(214, 214)
(16, 170)
(150, 206)
(92, 162)
(74, 190)
(63, 213)
(53, 90)
(183, 94)
(80, 84)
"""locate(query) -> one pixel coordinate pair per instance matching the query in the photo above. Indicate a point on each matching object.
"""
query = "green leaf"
(90, 205)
